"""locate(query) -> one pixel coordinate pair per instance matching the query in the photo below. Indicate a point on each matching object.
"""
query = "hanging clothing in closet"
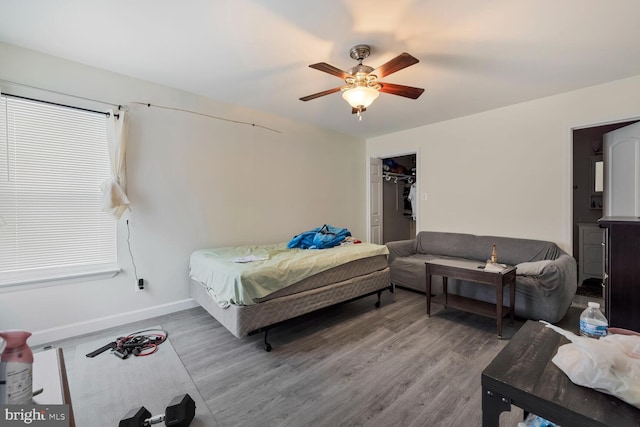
(412, 198)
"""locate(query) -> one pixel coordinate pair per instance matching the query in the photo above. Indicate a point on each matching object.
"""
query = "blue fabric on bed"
(323, 237)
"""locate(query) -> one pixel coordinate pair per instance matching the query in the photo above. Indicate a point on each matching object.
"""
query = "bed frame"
(251, 319)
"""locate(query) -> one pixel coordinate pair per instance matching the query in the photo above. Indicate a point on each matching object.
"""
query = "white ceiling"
(474, 55)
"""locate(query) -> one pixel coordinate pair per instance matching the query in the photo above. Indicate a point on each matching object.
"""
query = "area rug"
(104, 388)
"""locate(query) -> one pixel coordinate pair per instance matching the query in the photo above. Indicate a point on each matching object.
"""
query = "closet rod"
(106, 113)
(398, 176)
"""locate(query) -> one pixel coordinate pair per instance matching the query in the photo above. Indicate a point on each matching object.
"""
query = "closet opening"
(399, 198)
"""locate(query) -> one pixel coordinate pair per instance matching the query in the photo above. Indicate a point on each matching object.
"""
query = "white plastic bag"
(610, 364)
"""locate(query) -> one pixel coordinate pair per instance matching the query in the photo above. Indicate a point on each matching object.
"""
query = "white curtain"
(114, 198)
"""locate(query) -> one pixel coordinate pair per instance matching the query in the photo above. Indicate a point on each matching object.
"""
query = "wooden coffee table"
(472, 271)
(523, 374)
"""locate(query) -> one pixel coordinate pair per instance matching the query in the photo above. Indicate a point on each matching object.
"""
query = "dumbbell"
(179, 413)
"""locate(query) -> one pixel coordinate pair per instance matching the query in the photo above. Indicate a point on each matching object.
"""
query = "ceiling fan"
(362, 85)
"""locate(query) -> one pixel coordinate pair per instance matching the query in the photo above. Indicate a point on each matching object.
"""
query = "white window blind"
(52, 162)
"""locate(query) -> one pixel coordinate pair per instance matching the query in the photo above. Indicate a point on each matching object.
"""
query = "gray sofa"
(546, 278)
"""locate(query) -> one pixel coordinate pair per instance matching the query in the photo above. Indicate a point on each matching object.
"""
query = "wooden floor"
(349, 365)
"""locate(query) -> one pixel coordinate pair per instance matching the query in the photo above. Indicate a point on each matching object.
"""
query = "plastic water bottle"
(593, 324)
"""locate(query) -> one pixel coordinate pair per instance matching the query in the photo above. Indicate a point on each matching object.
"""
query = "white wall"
(507, 172)
(193, 182)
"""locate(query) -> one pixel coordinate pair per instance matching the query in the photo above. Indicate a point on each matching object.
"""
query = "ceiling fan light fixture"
(360, 97)
(362, 87)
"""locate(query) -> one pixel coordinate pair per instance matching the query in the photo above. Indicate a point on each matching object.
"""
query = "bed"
(250, 289)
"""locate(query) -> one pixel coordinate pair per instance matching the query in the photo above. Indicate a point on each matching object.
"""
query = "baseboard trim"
(94, 325)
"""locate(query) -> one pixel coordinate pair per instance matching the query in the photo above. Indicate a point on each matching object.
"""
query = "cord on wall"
(205, 115)
(139, 281)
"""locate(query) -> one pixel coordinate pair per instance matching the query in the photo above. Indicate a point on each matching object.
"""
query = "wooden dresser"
(622, 271)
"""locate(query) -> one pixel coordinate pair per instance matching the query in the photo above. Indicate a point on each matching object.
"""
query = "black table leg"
(499, 292)
(492, 406)
(512, 300)
(428, 289)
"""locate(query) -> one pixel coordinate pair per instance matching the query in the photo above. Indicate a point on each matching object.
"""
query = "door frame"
(569, 171)
(385, 154)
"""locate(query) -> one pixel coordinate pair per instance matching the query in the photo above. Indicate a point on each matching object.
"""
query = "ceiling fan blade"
(319, 94)
(327, 68)
(401, 90)
(401, 61)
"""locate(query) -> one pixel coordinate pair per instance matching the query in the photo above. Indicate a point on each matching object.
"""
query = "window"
(52, 162)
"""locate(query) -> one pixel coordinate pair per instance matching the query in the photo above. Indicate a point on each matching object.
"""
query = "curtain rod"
(62, 93)
(106, 113)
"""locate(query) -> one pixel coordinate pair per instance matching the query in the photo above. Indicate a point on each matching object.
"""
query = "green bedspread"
(276, 267)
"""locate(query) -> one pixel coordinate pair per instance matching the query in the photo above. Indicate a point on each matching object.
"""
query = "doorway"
(399, 198)
(587, 204)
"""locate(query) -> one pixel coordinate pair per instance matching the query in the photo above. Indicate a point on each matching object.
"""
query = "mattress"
(278, 271)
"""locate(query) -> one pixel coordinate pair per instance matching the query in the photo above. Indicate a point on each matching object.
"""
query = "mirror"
(597, 174)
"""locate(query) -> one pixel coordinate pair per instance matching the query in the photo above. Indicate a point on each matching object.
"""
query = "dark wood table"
(523, 374)
(472, 271)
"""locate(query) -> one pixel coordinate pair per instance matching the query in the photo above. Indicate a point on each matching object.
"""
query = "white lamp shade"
(360, 96)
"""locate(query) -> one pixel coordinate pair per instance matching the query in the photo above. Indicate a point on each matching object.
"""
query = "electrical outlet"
(140, 284)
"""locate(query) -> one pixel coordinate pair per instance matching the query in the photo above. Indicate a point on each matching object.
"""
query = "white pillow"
(532, 268)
